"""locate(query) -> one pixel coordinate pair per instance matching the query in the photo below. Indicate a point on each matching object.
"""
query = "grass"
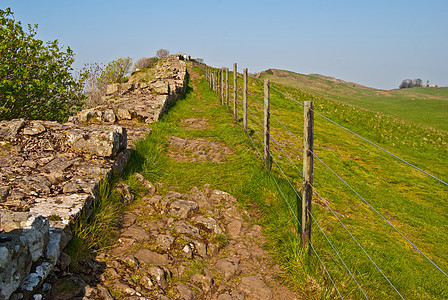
(99, 231)
(424, 106)
(411, 201)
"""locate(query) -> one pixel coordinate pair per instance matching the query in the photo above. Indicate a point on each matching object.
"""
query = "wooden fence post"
(227, 86)
(235, 75)
(211, 80)
(218, 91)
(222, 86)
(208, 77)
(245, 99)
(216, 81)
(307, 188)
(267, 114)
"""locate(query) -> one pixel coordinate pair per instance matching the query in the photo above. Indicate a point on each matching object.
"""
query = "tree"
(162, 53)
(96, 78)
(417, 82)
(144, 62)
(35, 77)
(405, 84)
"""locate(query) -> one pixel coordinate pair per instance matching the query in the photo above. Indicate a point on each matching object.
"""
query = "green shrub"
(35, 77)
(97, 77)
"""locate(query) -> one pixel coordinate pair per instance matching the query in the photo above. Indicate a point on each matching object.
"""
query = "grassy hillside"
(411, 201)
(424, 106)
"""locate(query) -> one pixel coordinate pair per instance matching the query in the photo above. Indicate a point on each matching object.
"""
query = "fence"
(260, 135)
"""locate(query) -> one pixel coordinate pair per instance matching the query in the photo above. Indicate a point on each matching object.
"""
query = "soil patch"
(195, 123)
(197, 150)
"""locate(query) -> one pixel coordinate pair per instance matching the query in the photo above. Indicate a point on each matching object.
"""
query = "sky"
(375, 43)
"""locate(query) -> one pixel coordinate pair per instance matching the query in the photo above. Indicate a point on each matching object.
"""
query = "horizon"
(374, 44)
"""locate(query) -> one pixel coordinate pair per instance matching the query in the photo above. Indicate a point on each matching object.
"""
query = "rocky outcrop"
(50, 172)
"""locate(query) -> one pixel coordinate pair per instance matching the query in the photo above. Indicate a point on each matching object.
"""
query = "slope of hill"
(424, 106)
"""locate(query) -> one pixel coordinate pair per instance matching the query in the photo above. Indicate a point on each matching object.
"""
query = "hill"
(423, 106)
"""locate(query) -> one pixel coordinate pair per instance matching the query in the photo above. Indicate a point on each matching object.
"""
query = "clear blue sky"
(376, 43)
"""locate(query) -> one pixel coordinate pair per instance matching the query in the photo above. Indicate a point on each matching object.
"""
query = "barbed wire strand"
(278, 144)
(297, 219)
(363, 138)
(328, 274)
(340, 258)
(356, 241)
(332, 212)
(253, 97)
(284, 175)
(382, 149)
(287, 129)
(378, 213)
(290, 98)
(337, 253)
(259, 122)
(287, 202)
(255, 117)
(273, 115)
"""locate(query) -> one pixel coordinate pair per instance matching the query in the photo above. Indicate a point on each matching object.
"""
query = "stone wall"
(49, 172)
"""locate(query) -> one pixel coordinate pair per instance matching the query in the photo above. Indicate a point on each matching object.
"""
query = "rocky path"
(172, 245)
(197, 245)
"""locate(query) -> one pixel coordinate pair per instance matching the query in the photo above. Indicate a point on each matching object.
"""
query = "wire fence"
(282, 167)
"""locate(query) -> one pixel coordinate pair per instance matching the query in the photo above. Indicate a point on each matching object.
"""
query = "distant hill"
(425, 106)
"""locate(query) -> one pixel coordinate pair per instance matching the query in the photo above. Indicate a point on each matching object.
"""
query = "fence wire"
(297, 220)
(257, 120)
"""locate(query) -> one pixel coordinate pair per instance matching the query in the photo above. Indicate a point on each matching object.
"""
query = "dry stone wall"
(49, 172)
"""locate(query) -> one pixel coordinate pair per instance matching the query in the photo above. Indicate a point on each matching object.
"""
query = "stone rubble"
(198, 149)
(145, 102)
(179, 248)
(50, 172)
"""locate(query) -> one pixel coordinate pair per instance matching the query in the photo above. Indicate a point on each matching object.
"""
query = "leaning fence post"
(307, 188)
(267, 114)
(235, 75)
(227, 86)
(245, 99)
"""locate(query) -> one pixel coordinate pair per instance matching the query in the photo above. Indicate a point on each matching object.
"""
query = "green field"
(413, 202)
(424, 106)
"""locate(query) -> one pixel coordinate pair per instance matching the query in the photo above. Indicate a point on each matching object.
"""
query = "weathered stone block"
(66, 207)
(160, 87)
(34, 128)
(84, 116)
(15, 263)
(37, 234)
(106, 142)
(124, 114)
(10, 129)
(112, 88)
(109, 116)
(59, 236)
(121, 160)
